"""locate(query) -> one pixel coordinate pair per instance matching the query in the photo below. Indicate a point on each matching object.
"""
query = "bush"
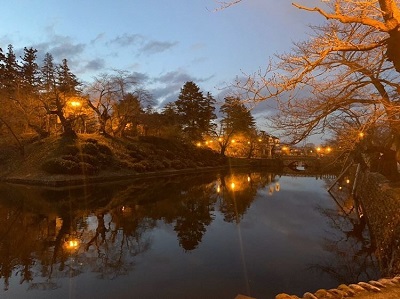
(139, 167)
(86, 168)
(91, 140)
(70, 158)
(93, 160)
(158, 165)
(69, 150)
(104, 149)
(61, 166)
(177, 164)
(90, 148)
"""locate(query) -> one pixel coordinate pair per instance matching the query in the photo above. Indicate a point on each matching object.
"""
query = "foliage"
(339, 81)
(98, 155)
(195, 111)
(236, 120)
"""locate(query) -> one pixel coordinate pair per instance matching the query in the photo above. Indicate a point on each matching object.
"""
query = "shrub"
(139, 167)
(91, 140)
(104, 149)
(69, 149)
(70, 158)
(86, 168)
(158, 165)
(90, 148)
(93, 160)
(60, 166)
(177, 164)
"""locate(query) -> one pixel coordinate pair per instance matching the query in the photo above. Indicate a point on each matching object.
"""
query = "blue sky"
(166, 42)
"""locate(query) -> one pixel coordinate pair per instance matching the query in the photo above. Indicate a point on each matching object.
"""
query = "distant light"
(218, 189)
(71, 244)
(75, 104)
(248, 179)
(198, 144)
(232, 185)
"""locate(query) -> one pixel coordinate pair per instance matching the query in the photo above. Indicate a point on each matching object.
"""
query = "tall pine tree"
(195, 111)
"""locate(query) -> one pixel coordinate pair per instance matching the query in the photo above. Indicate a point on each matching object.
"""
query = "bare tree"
(340, 74)
(382, 16)
(106, 92)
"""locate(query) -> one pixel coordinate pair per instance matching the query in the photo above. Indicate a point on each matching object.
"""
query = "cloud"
(127, 40)
(141, 78)
(94, 64)
(145, 45)
(165, 94)
(60, 47)
(154, 47)
(198, 47)
(98, 38)
(175, 77)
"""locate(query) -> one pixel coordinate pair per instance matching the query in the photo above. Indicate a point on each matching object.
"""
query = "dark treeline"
(39, 99)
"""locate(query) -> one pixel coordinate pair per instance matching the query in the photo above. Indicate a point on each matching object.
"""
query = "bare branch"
(348, 19)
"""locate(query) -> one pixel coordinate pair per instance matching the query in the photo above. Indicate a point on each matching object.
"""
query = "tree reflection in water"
(49, 234)
(52, 233)
(351, 243)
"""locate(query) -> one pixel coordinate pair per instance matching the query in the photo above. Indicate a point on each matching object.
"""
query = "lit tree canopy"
(379, 15)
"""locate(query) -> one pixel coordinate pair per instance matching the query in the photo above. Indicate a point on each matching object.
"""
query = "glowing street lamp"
(75, 104)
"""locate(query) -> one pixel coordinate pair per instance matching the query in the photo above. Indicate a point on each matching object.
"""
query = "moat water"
(211, 235)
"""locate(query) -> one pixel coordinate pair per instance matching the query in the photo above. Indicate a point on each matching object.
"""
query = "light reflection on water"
(212, 235)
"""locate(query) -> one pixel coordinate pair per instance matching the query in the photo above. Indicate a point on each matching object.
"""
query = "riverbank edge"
(106, 177)
(77, 180)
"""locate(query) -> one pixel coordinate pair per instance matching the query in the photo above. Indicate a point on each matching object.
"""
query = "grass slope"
(94, 156)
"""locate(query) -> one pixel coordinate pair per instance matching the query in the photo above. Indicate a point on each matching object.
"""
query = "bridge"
(292, 165)
(301, 162)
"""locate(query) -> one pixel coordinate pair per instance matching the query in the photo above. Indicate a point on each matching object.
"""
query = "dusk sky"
(166, 42)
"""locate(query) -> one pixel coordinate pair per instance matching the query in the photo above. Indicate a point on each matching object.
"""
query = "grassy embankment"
(99, 157)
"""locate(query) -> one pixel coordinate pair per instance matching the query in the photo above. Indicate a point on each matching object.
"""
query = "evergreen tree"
(66, 80)
(59, 84)
(29, 93)
(195, 111)
(10, 76)
(48, 73)
(237, 117)
(29, 70)
(2, 69)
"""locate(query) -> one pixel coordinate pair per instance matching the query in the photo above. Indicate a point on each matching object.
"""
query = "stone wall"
(380, 201)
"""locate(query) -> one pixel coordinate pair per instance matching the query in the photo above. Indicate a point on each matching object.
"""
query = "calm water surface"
(212, 235)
